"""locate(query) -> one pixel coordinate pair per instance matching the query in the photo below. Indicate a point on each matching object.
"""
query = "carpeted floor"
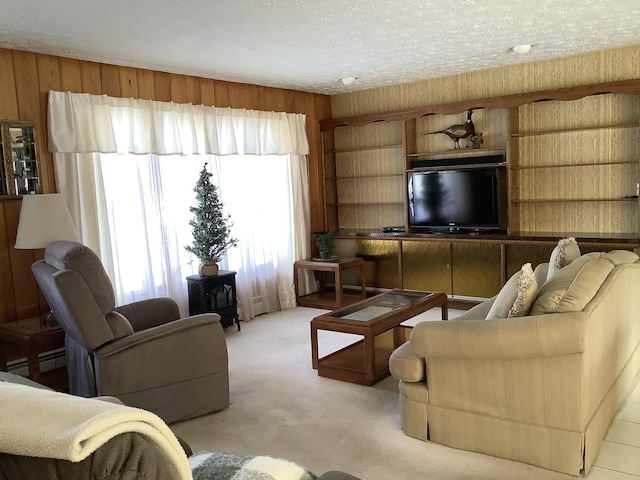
(280, 407)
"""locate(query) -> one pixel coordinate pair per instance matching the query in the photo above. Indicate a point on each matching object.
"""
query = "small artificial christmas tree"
(211, 228)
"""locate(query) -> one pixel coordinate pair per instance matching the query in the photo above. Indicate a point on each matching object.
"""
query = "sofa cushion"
(478, 312)
(618, 257)
(573, 287)
(516, 297)
(562, 255)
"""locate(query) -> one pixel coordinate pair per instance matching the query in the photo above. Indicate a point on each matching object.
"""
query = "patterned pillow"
(562, 255)
(517, 296)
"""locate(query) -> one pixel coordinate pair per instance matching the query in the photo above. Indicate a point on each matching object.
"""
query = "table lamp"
(44, 219)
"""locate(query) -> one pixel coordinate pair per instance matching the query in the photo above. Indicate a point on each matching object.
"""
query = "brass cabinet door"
(381, 267)
(477, 269)
(426, 266)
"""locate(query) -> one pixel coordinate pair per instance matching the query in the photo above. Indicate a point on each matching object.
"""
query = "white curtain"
(84, 123)
(121, 196)
(264, 198)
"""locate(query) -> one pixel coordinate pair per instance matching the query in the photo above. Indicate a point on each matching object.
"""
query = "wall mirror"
(19, 165)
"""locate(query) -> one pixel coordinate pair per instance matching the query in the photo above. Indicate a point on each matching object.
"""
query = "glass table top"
(380, 305)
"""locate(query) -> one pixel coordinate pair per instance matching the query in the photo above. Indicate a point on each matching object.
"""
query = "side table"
(216, 294)
(30, 334)
(323, 298)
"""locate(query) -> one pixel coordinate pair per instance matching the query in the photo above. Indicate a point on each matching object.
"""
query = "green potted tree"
(210, 226)
(325, 242)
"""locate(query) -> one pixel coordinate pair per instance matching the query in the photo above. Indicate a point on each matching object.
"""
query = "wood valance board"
(631, 86)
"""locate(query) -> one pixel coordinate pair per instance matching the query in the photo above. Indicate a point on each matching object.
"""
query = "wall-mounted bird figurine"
(457, 132)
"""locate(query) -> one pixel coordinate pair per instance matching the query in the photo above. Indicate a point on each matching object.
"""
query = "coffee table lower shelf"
(327, 299)
(347, 364)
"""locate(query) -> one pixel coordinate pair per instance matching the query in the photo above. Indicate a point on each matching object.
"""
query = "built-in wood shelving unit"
(575, 130)
(368, 149)
(457, 152)
(574, 165)
(572, 160)
(631, 86)
(365, 204)
(357, 177)
(573, 200)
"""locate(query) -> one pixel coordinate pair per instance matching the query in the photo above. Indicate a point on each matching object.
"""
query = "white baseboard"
(48, 361)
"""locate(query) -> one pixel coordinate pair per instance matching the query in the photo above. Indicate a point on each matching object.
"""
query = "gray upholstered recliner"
(142, 352)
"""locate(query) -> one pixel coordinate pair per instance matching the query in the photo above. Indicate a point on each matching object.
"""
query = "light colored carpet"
(280, 407)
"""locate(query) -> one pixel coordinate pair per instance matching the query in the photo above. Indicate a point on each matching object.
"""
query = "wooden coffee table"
(378, 320)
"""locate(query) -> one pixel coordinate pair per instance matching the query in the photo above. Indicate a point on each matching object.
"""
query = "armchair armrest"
(525, 337)
(149, 313)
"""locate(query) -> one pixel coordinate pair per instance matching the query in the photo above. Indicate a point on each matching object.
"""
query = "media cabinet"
(475, 266)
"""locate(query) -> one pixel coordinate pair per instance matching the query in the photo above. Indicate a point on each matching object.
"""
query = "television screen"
(468, 199)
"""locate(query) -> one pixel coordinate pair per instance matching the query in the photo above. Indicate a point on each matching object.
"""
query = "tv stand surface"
(621, 240)
(459, 231)
(464, 231)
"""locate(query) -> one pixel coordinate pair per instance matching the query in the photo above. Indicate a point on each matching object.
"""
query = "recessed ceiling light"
(348, 80)
(521, 49)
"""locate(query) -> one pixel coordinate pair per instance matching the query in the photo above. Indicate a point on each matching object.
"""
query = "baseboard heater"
(48, 361)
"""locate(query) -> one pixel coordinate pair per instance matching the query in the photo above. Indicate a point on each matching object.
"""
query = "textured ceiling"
(310, 44)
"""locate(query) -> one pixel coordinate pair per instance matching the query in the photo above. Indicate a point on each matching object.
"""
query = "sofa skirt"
(554, 449)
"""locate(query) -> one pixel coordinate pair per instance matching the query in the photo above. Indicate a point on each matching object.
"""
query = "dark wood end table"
(30, 334)
(366, 361)
(322, 298)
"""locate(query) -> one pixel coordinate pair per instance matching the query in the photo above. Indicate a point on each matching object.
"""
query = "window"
(148, 199)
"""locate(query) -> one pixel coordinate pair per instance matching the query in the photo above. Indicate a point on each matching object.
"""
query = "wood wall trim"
(504, 102)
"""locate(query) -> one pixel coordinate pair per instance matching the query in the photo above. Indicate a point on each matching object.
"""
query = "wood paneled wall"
(25, 80)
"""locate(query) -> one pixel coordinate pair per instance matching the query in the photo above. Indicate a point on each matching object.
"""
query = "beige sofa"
(540, 389)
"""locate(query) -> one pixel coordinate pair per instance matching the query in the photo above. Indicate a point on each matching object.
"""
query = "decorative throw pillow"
(572, 288)
(562, 255)
(516, 297)
(527, 290)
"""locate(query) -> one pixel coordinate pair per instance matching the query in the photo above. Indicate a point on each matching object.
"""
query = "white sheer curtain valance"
(84, 123)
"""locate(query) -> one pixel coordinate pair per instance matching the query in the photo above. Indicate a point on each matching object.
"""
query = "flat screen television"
(457, 199)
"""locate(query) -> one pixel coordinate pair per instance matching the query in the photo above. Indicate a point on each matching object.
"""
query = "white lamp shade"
(43, 220)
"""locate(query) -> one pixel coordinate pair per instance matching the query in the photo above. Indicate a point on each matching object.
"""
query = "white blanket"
(43, 423)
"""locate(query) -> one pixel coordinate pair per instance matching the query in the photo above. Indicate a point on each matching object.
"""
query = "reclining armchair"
(142, 353)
